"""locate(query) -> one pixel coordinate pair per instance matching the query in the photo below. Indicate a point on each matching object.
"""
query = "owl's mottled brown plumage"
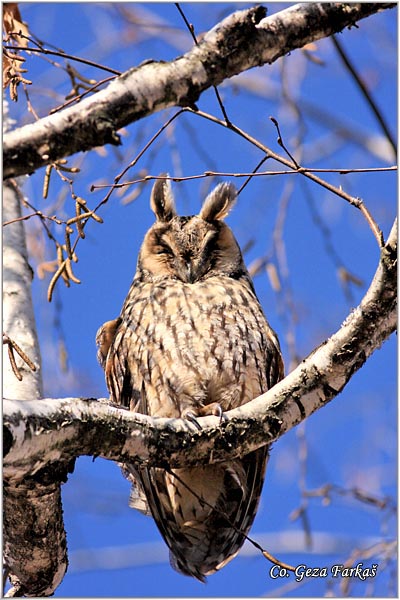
(192, 337)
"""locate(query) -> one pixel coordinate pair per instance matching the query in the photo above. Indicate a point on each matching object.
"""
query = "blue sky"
(352, 442)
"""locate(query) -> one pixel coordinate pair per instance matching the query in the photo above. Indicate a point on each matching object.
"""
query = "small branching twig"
(249, 178)
(59, 166)
(118, 178)
(43, 218)
(215, 173)
(357, 202)
(79, 97)
(78, 82)
(14, 346)
(37, 213)
(282, 145)
(325, 492)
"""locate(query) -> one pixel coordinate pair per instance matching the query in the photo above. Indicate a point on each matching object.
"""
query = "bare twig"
(249, 178)
(84, 61)
(12, 345)
(236, 174)
(365, 92)
(282, 145)
(136, 159)
(192, 33)
(82, 95)
(357, 202)
(37, 213)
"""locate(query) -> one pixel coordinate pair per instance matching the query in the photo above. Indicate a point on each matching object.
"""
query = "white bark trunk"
(18, 317)
(34, 537)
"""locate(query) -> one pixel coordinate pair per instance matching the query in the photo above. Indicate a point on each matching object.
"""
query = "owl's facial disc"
(190, 249)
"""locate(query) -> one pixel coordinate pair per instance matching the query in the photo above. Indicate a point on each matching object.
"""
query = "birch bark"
(35, 551)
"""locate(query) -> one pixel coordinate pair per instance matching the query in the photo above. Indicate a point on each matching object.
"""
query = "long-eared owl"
(192, 340)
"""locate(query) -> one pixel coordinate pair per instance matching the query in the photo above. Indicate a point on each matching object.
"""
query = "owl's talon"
(191, 417)
(119, 406)
(223, 418)
(217, 411)
(214, 409)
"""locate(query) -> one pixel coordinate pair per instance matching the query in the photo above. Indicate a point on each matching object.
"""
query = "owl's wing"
(104, 338)
(201, 546)
(114, 359)
(275, 369)
(137, 498)
(112, 335)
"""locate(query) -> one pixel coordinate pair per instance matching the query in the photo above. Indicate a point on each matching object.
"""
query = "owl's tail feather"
(205, 513)
(180, 567)
(137, 497)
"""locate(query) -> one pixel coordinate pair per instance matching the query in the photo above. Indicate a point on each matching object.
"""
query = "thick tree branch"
(243, 40)
(39, 436)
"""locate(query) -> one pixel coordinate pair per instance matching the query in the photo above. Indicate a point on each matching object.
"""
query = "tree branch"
(243, 40)
(47, 433)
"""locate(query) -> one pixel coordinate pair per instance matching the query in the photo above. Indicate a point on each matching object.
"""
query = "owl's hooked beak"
(190, 272)
(187, 271)
(191, 269)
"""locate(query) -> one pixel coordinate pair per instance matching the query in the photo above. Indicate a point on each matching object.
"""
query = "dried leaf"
(255, 267)
(68, 269)
(17, 33)
(46, 267)
(13, 25)
(63, 356)
(346, 277)
(273, 277)
(309, 51)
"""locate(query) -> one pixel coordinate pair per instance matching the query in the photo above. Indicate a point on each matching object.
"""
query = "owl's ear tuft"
(162, 200)
(219, 202)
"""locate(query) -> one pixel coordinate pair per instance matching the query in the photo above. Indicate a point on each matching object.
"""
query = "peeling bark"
(243, 40)
(35, 546)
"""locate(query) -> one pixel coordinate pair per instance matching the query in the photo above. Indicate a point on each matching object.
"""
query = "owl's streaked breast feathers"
(191, 336)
